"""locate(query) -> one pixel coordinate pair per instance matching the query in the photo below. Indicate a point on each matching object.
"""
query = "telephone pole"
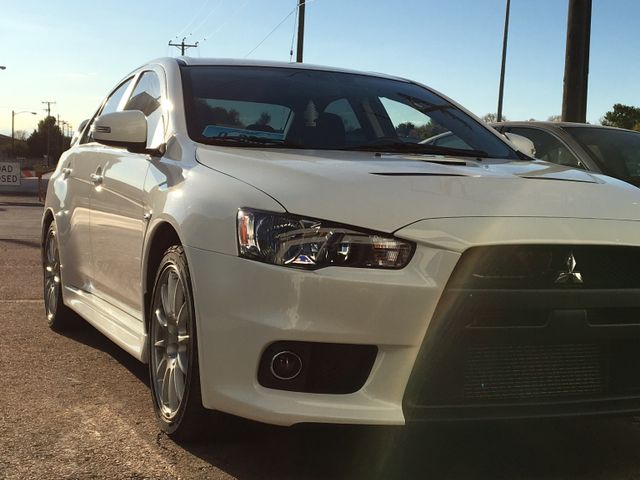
(300, 30)
(182, 46)
(576, 63)
(504, 62)
(48, 109)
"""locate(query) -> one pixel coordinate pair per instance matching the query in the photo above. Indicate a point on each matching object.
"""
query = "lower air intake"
(533, 372)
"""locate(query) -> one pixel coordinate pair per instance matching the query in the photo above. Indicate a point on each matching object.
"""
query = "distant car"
(450, 140)
(264, 237)
(611, 151)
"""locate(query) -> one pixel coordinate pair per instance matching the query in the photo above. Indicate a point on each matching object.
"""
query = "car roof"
(191, 61)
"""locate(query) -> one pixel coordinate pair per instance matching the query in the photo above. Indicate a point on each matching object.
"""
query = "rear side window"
(147, 98)
(352, 127)
(110, 106)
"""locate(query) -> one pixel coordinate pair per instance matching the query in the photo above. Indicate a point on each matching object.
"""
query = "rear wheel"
(59, 317)
(173, 363)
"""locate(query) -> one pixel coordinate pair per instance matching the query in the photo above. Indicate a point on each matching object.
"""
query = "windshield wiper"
(249, 141)
(402, 147)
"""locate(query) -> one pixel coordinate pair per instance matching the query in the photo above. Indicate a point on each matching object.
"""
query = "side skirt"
(126, 331)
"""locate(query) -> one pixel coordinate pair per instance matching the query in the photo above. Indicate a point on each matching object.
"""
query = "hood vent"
(558, 179)
(417, 174)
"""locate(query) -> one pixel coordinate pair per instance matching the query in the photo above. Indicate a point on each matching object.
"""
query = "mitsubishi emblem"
(570, 275)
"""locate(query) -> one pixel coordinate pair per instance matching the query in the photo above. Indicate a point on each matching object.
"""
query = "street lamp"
(13, 115)
(2, 67)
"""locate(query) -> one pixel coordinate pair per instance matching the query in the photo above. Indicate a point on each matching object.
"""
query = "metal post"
(576, 65)
(504, 62)
(13, 134)
(301, 6)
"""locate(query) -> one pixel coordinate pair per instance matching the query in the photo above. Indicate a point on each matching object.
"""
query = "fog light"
(286, 365)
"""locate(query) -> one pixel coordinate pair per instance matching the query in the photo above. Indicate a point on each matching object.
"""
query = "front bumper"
(244, 306)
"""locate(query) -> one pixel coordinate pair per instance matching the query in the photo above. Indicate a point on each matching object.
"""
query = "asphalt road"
(76, 406)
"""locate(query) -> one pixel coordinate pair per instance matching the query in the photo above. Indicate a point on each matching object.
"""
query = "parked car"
(596, 148)
(262, 237)
(448, 139)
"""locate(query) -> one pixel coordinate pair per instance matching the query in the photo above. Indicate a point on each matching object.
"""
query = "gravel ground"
(76, 406)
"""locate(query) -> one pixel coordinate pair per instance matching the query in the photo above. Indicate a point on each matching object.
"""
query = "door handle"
(66, 172)
(96, 179)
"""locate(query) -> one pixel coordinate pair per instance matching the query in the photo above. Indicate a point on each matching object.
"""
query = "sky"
(73, 52)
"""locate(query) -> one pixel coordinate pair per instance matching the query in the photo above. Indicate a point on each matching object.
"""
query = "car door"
(549, 147)
(74, 230)
(118, 222)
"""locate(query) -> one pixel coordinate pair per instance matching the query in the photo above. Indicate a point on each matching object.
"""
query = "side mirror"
(126, 129)
(522, 144)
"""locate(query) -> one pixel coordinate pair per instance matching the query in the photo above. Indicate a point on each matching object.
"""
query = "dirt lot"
(76, 406)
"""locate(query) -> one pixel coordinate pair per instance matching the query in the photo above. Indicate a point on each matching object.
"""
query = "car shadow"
(88, 335)
(551, 448)
(21, 242)
(568, 448)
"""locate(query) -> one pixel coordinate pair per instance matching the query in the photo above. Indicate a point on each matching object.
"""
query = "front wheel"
(173, 363)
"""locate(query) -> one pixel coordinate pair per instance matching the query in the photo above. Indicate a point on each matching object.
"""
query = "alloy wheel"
(170, 341)
(51, 275)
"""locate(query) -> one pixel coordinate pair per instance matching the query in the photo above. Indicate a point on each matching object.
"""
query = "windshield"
(295, 108)
(617, 152)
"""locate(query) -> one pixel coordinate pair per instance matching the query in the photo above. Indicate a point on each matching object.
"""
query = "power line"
(195, 17)
(223, 24)
(300, 4)
(207, 16)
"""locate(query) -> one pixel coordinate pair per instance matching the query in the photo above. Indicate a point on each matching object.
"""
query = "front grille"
(507, 337)
(523, 372)
(544, 266)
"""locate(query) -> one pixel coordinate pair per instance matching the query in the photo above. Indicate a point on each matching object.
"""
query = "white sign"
(10, 173)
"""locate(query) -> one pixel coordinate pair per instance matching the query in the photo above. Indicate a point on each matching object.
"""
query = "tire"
(173, 353)
(59, 316)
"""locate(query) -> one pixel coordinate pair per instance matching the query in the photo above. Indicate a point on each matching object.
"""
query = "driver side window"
(146, 97)
(110, 105)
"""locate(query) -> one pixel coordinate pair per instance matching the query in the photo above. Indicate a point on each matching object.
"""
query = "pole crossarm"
(183, 46)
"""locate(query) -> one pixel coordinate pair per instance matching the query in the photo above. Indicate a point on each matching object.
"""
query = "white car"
(276, 243)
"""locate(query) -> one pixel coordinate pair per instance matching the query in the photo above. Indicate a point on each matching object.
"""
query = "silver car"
(599, 149)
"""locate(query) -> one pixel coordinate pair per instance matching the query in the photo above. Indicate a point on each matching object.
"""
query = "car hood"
(386, 192)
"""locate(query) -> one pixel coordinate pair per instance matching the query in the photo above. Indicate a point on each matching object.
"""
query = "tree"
(492, 118)
(21, 135)
(405, 129)
(48, 134)
(554, 118)
(622, 116)
(264, 119)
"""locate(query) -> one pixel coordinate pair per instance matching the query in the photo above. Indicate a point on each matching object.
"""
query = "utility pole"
(301, 6)
(48, 109)
(576, 63)
(504, 62)
(183, 46)
(60, 142)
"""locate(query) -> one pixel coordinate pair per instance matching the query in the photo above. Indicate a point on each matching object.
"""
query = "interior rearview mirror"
(126, 129)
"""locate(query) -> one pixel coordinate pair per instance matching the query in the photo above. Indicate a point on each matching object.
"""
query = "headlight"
(305, 243)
